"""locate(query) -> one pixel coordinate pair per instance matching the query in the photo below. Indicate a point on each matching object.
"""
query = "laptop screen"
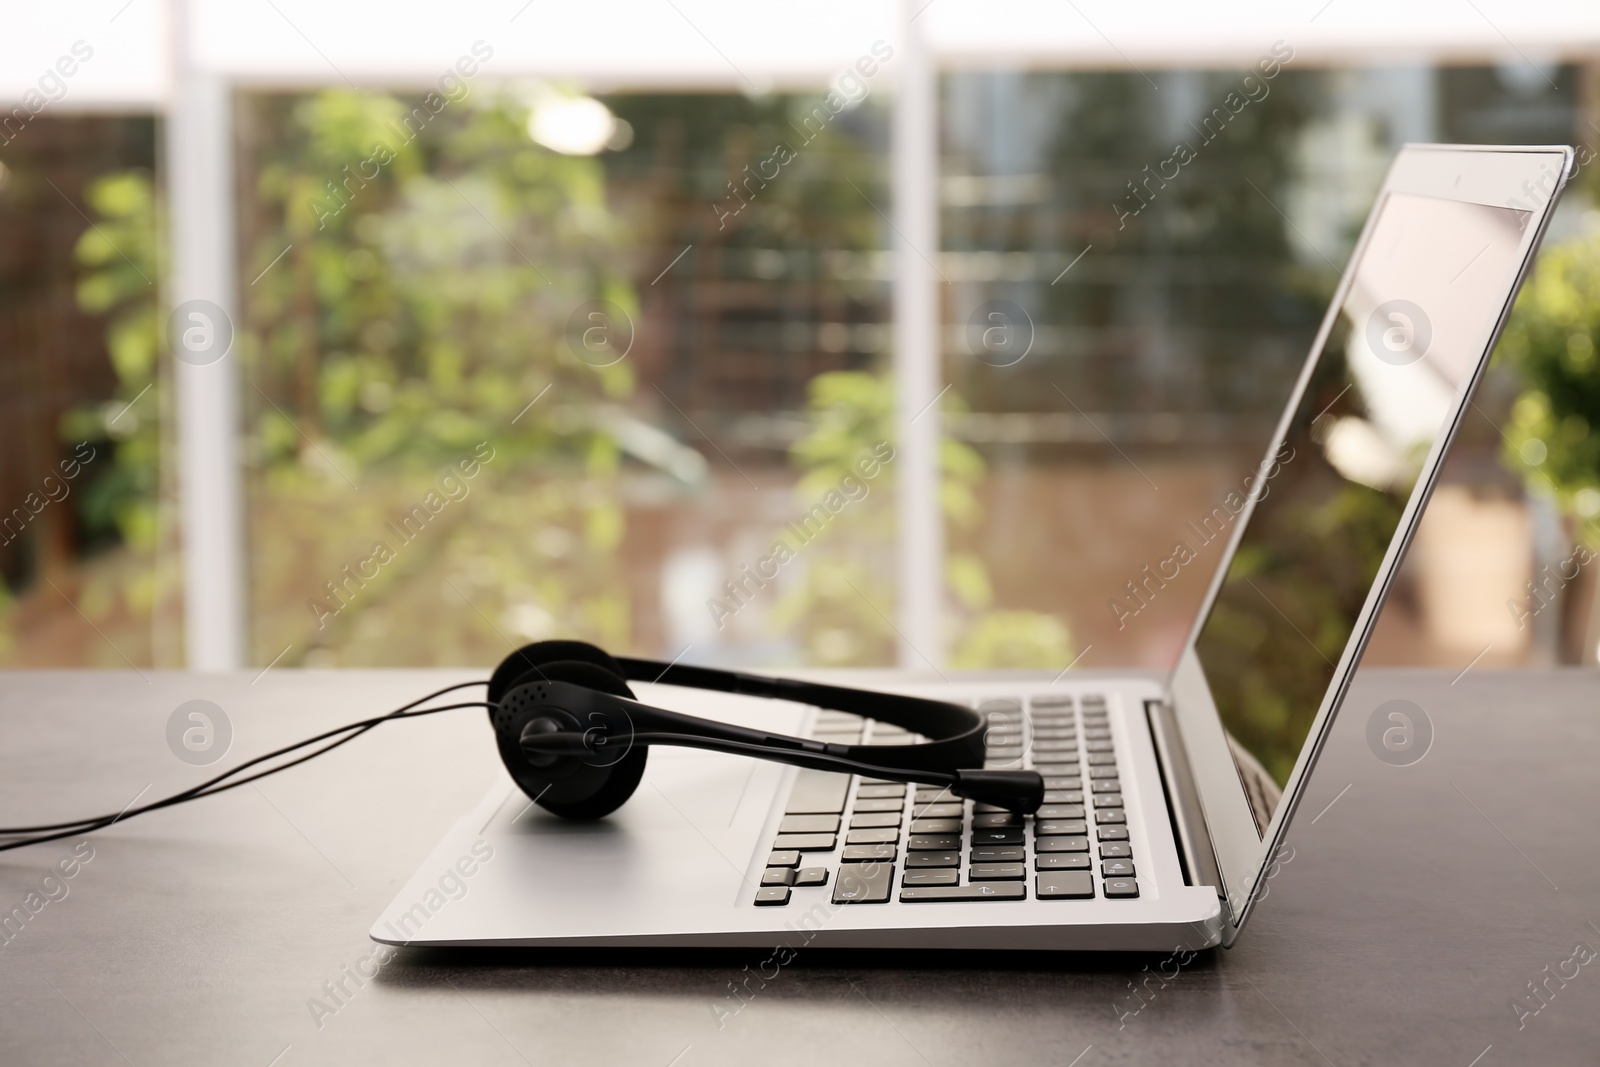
(1428, 287)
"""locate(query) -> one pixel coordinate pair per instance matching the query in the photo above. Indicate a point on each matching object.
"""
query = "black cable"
(364, 725)
(357, 729)
(213, 786)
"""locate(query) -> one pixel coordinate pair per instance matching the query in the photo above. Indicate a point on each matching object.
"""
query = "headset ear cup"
(624, 778)
(591, 792)
(524, 660)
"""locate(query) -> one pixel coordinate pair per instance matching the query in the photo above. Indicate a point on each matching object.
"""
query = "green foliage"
(428, 284)
(840, 609)
(407, 293)
(1014, 639)
(432, 277)
(117, 258)
(1551, 340)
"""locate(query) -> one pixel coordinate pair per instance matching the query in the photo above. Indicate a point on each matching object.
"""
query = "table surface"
(1418, 905)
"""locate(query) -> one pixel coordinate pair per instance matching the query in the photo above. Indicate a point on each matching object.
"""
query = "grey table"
(1419, 904)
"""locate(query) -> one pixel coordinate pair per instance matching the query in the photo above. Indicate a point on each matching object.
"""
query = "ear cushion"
(526, 658)
(581, 791)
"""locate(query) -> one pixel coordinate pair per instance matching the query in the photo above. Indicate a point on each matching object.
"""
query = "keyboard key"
(1059, 811)
(881, 792)
(936, 811)
(777, 876)
(872, 837)
(981, 891)
(941, 877)
(1051, 700)
(818, 793)
(886, 804)
(1115, 815)
(1102, 772)
(1063, 783)
(863, 883)
(869, 853)
(809, 824)
(813, 876)
(1063, 796)
(1096, 733)
(1099, 759)
(929, 795)
(1116, 850)
(933, 859)
(1064, 885)
(1050, 744)
(1061, 844)
(805, 842)
(933, 842)
(998, 854)
(1001, 836)
(1117, 868)
(1111, 833)
(1106, 785)
(1063, 861)
(772, 895)
(936, 826)
(1060, 827)
(1108, 800)
(874, 820)
(996, 872)
(784, 859)
(997, 819)
(1122, 887)
(1097, 746)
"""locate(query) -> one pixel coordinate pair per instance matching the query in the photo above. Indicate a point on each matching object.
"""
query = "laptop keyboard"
(871, 841)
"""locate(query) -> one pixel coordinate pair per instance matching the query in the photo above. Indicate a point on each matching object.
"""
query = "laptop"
(1167, 799)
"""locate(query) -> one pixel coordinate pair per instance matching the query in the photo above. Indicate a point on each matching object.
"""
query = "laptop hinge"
(1183, 800)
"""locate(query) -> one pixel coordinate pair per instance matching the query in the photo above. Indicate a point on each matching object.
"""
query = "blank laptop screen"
(1429, 285)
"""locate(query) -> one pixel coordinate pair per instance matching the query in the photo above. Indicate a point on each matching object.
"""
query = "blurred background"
(554, 324)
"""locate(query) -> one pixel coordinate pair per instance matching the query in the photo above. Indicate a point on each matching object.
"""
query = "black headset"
(574, 738)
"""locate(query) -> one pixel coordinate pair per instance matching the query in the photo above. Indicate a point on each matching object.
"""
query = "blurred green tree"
(412, 293)
(1551, 341)
(842, 605)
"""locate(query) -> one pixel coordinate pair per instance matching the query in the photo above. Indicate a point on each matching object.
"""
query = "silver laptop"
(1167, 800)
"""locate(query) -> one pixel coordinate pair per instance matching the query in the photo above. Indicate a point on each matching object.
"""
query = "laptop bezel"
(1494, 175)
